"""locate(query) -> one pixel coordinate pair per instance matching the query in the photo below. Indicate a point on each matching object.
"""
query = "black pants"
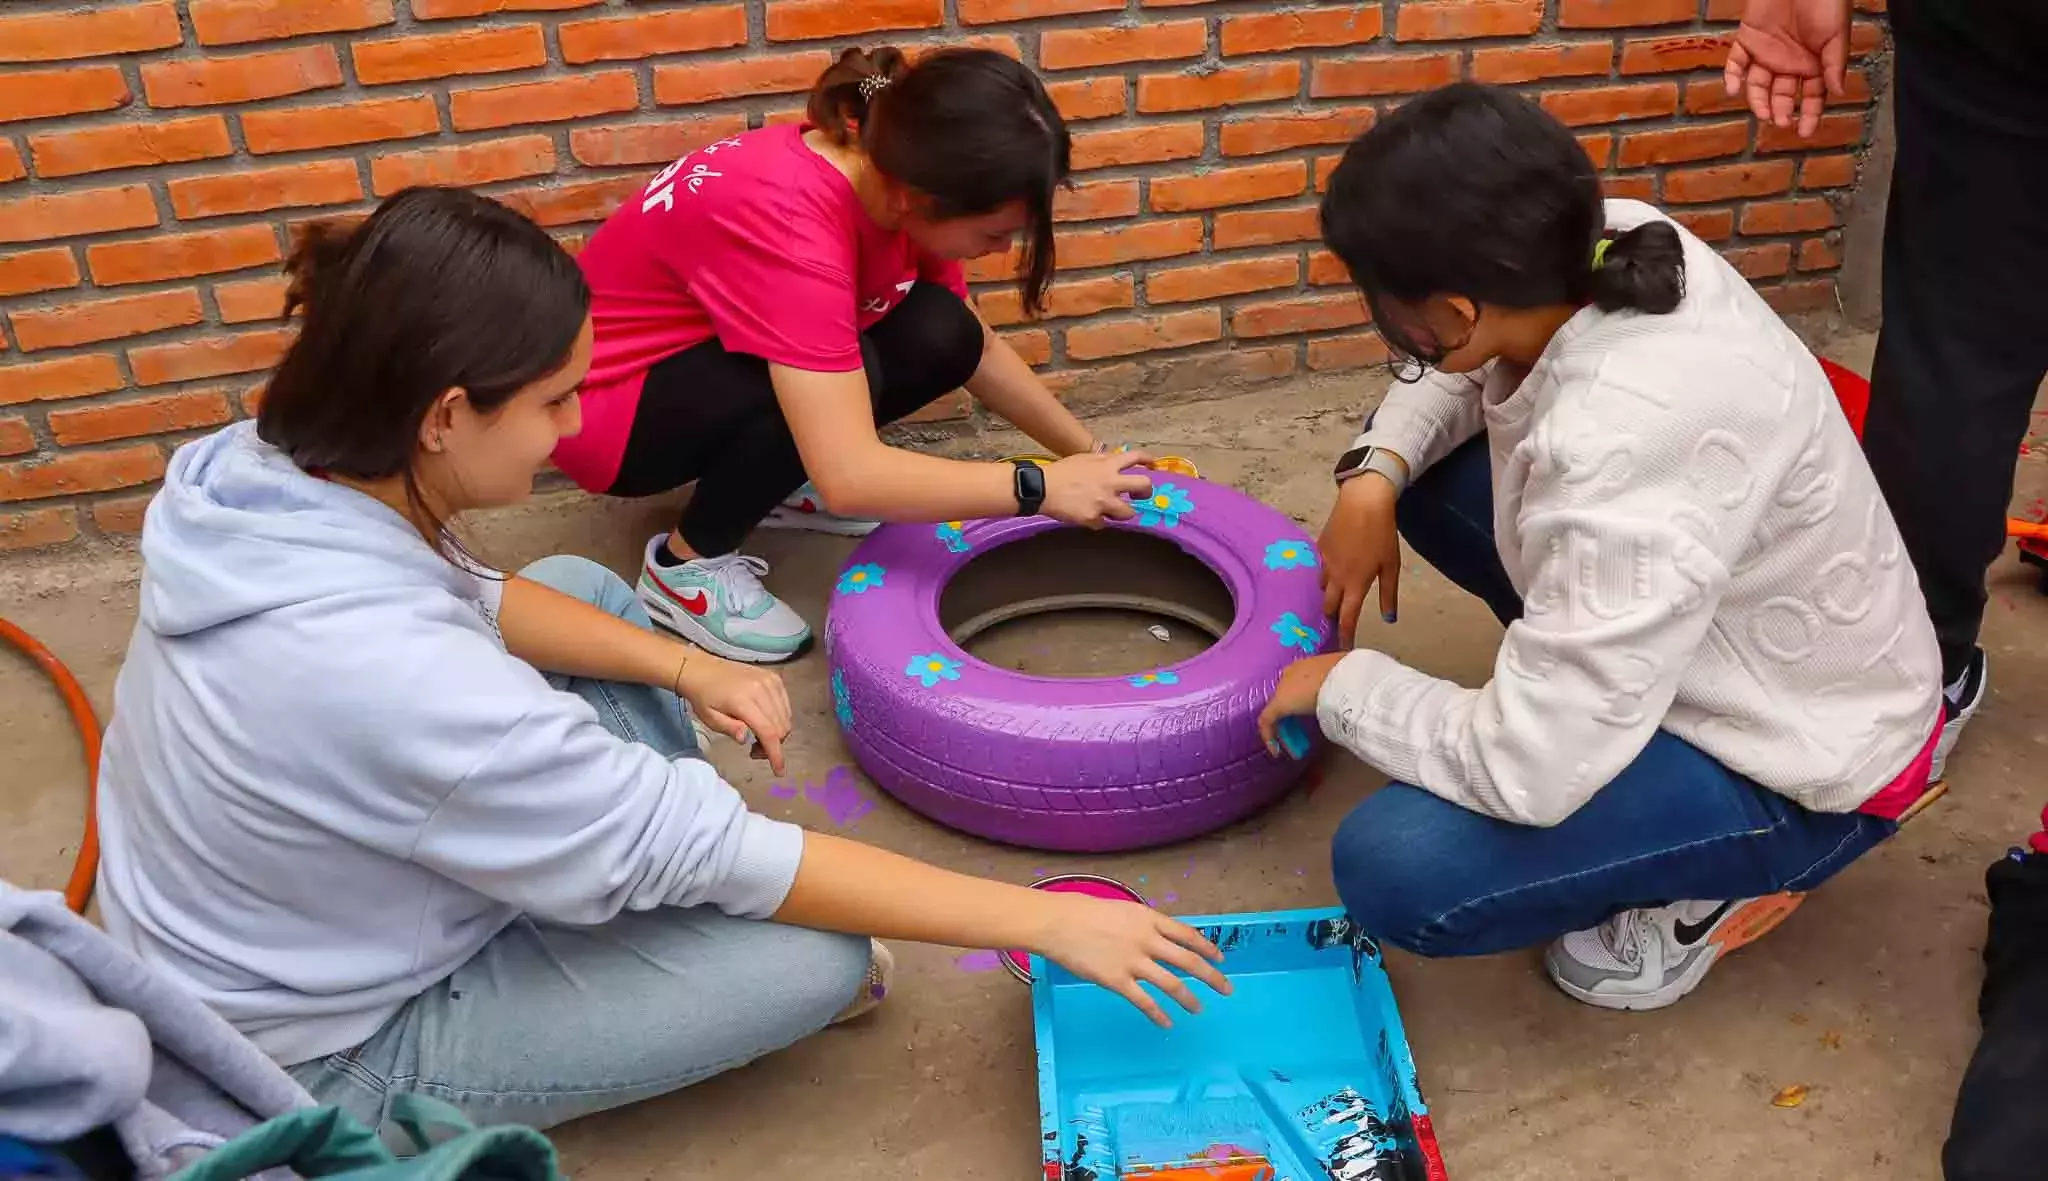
(1965, 339)
(2000, 1132)
(711, 416)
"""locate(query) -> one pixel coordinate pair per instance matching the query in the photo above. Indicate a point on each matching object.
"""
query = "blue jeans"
(551, 1022)
(1436, 879)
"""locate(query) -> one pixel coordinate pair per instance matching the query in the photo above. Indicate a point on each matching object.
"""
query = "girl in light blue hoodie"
(411, 825)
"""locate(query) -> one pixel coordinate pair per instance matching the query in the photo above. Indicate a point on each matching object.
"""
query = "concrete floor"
(1865, 996)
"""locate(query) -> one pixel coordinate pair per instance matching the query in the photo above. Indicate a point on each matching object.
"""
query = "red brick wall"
(155, 155)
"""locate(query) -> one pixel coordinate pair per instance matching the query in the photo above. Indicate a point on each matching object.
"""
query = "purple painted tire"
(1079, 765)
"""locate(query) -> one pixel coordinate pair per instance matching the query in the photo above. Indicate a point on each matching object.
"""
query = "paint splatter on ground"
(841, 797)
(1170, 898)
(978, 961)
(784, 791)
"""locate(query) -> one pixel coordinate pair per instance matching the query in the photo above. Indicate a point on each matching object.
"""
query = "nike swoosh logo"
(695, 602)
(1691, 933)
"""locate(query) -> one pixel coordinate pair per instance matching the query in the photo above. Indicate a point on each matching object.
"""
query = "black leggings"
(711, 416)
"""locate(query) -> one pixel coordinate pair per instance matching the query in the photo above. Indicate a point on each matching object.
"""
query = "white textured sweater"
(1700, 547)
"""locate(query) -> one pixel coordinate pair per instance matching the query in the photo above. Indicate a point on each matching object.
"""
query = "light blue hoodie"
(327, 784)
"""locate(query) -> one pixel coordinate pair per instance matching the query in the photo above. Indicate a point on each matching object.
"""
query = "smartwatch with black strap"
(1030, 487)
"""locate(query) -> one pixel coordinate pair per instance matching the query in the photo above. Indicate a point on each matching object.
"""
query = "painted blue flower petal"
(1164, 676)
(1290, 555)
(842, 700)
(1295, 634)
(859, 580)
(931, 668)
(954, 535)
(1165, 507)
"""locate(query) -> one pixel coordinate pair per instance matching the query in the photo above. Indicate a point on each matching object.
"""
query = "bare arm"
(1006, 385)
(847, 886)
(859, 475)
(558, 633)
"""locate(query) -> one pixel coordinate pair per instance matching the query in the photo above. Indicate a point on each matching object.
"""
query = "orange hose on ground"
(78, 891)
(2026, 530)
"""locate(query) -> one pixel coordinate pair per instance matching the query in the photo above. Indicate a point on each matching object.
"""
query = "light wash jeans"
(551, 1022)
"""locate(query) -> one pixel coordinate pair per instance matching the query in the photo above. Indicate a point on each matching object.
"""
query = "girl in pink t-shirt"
(768, 301)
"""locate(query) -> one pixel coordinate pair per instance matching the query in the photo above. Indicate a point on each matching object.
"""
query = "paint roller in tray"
(1191, 1140)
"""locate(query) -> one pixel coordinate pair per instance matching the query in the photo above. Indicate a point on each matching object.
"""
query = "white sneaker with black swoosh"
(1651, 957)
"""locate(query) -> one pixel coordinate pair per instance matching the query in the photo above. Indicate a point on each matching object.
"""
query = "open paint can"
(1093, 885)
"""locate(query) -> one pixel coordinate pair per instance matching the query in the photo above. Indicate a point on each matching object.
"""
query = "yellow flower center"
(1162, 501)
(1287, 554)
(937, 667)
(860, 576)
(952, 524)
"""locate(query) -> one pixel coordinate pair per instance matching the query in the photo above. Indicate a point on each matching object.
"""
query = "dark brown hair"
(1474, 190)
(438, 288)
(970, 129)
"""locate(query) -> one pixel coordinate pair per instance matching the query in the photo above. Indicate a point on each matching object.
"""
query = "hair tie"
(872, 85)
(1600, 252)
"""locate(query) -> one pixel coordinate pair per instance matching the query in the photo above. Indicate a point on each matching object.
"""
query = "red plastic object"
(1852, 390)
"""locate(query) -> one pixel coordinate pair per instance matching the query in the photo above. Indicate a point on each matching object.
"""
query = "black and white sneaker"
(1652, 956)
(1959, 703)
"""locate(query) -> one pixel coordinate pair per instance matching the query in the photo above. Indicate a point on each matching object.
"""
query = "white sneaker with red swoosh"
(805, 509)
(720, 605)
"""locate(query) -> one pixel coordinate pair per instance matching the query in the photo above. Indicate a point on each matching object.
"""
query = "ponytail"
(323, 249)
(849, 87)
(1642, 270)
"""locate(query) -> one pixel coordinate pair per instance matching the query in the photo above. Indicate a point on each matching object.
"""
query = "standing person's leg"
(1965, 339)
(714, 414)
(550, 1022)
(1999, 1132)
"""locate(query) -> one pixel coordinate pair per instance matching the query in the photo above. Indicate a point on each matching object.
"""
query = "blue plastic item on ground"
(1302, 1074)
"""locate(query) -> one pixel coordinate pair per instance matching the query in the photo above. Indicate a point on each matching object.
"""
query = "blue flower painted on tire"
(859, 580)
(1294, 633)
(931, 668)
(954, 534)
(1165, 507)
(1164, 676)
(842, 699)
(1290, 555)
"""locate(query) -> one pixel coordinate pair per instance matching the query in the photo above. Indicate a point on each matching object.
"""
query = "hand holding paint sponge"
(1294, 737)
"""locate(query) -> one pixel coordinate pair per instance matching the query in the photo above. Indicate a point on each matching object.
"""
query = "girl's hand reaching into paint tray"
(747, 704)
(1119, 944)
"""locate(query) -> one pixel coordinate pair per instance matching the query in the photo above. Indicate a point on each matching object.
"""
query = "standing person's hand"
(738, 700)
(1360, 547)
(1093, 487)
(1118, 944)
(1784, 51)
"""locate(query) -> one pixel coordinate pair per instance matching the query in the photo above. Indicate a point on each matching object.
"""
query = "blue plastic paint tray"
(1305, 1065)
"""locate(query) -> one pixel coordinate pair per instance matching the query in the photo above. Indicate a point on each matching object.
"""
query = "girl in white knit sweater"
(1718, 684)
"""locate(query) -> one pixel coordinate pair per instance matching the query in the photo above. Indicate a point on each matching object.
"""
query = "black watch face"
(1030, 483)
(1351, 459)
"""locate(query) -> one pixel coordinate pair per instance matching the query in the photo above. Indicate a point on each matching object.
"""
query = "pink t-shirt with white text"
(756, 240)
